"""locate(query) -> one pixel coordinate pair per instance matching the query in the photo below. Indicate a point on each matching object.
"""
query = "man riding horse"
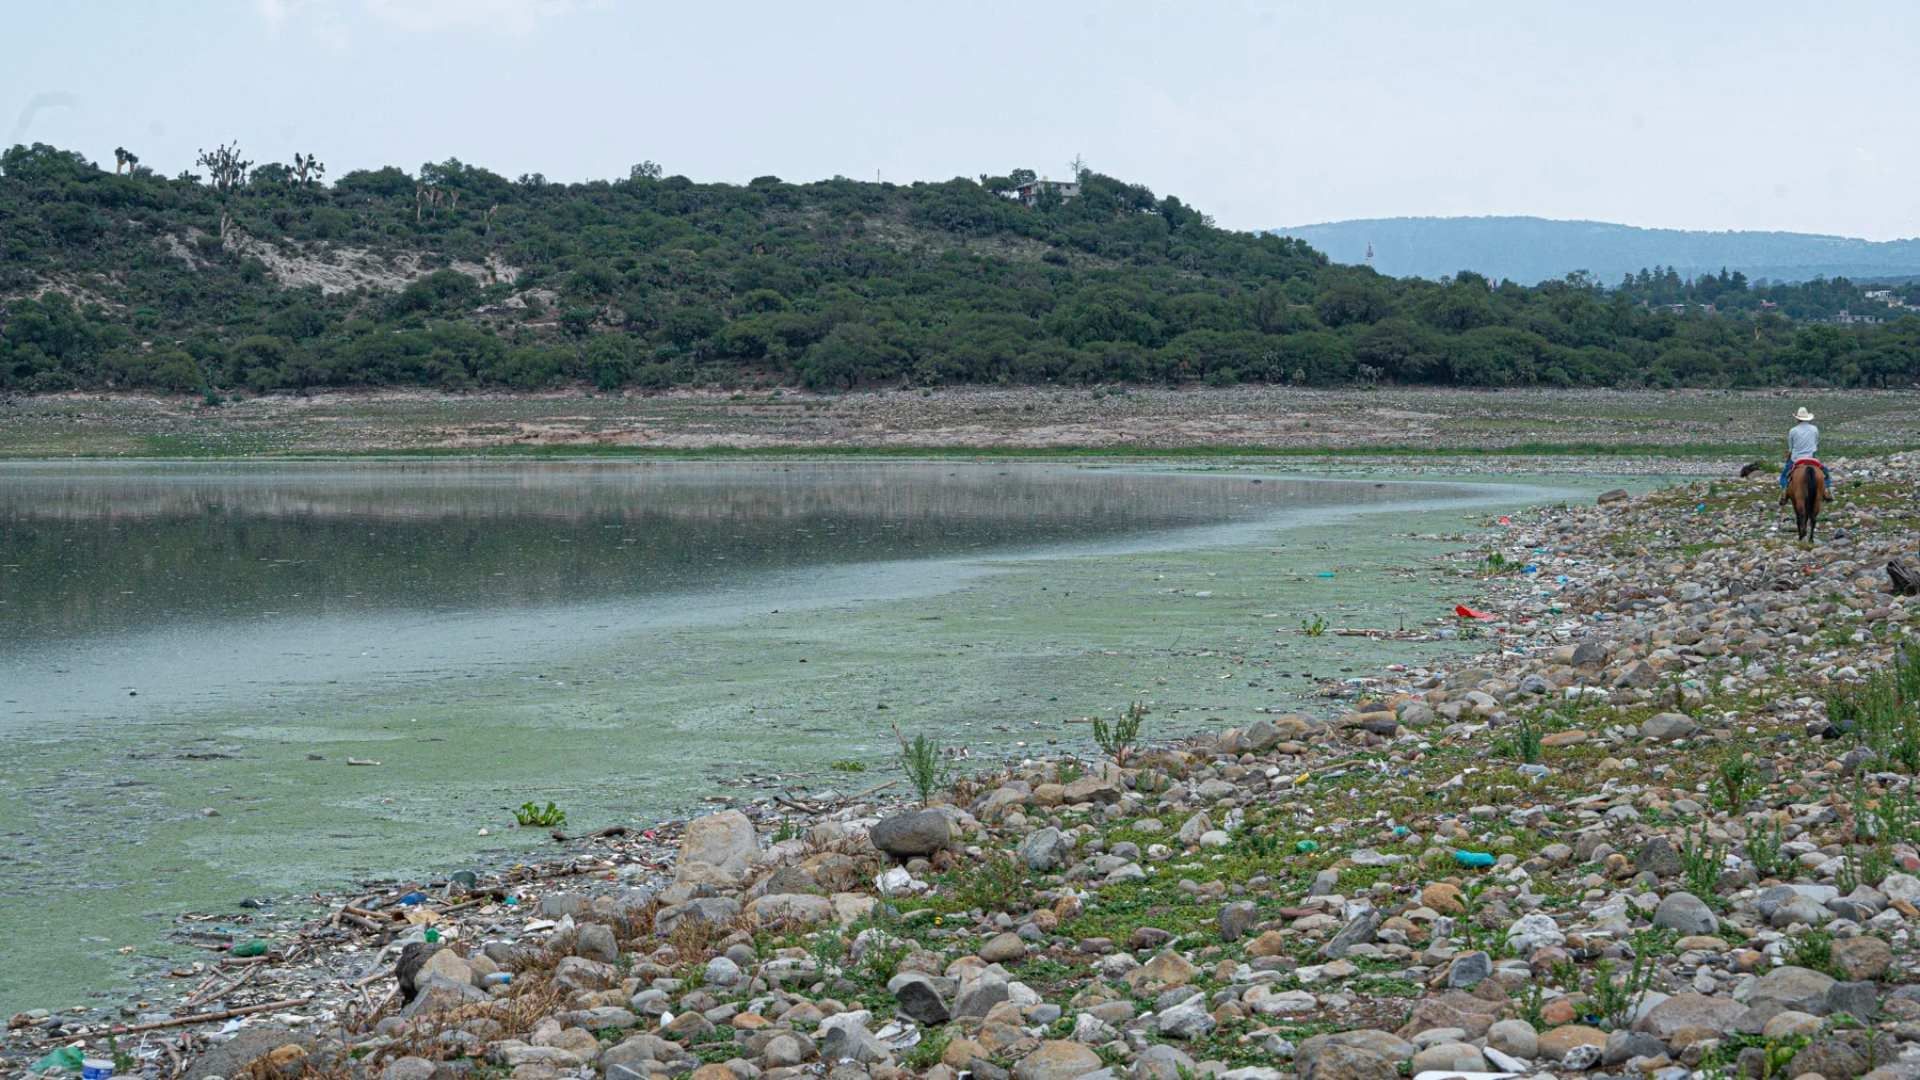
(1803, 444)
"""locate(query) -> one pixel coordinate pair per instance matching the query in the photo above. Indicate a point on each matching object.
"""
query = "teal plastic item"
(1324, 573)
(67, 1057)
(1400, 830)
(250, 948)
(1306, 847)
(1473, 858)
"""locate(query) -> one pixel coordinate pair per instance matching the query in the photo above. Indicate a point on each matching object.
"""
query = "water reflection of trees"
(88, 552)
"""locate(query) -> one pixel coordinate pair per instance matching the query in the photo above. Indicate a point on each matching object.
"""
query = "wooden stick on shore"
(611, 830)
(872, 790)
(202, 1018)
(206, 994)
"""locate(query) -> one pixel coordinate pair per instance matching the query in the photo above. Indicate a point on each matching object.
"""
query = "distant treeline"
(457, 277)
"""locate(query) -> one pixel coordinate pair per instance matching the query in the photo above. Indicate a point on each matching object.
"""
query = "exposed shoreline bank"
(1072, 422)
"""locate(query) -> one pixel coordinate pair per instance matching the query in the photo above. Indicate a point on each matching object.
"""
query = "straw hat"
(1803, 415)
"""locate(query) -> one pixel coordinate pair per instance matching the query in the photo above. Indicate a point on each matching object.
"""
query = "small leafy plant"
(1314, 627)
(1763, 849)
(848, 765)
(1701, 861)
(1523, 743)
(1617, 995)
(532, 815)
(1735, 774)
(1122, 737)
(920, 759)
(1812, 950)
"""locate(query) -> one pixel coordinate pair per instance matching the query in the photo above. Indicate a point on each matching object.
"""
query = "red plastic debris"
(1466, 612)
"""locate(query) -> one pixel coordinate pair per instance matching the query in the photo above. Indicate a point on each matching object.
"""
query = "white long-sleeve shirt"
(1803, 442)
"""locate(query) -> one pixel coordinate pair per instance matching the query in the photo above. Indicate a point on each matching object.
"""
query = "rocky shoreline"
(1668, 827)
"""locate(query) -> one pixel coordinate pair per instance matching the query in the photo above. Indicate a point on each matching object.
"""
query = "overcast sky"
(1754, 115)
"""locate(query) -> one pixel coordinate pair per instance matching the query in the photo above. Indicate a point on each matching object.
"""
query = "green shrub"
(921, 760)
(1119, 739)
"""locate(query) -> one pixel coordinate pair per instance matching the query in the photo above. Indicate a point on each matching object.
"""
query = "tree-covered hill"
(268, 278)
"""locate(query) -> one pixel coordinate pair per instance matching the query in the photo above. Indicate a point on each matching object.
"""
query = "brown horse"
(1808, 495)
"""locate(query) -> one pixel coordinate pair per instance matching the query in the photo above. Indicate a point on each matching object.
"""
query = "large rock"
(916, 832)
(1453, 1009)
(445, 964)
(595, 941)
(1187, 1020)
(1162, 1061)
(983, 992)
(1043, 850)
(1564, 1043)
(1169, 969)
(630, 1058)
(1237, 918)
(1667, 727)
(1352, 1055)
(580, 973)
(1004, 948)
(1862, 957)
(1093, 788)
(1796, 988)
(1469, 970)
(1515, 1037)
(435, 993)
(1534, 931)
(1057, 1059)
(851, 1041)
(1449, 1057)
(1358, 932)
(1682, 1011)
(1686, 914)
(713, 910)
(801, 909)
(921, 1000)
(719, 849)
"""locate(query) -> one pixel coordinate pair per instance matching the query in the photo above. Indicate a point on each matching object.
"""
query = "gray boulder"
(916, 832)
(1352, 1055)
(1797, 988)
(1360, 931)
(1667, 727)
(1044, 850)
(921, 1000)
(1686, 914)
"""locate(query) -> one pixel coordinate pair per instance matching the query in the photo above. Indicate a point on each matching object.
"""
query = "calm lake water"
(620, 638)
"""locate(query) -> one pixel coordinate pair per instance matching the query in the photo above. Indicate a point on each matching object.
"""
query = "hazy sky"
(1695, 115)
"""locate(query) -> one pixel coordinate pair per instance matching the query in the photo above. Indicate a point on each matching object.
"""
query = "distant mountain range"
(1530, 250)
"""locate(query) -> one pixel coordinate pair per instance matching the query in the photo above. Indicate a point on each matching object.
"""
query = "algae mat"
(190, 654)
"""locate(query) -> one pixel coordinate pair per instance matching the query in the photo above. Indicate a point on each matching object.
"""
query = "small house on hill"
(1031, 191)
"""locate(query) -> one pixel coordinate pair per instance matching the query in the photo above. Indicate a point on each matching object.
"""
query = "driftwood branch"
(202, 1018)
(611, 830)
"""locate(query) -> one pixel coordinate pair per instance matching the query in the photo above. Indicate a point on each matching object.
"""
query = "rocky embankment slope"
(1667, 827)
